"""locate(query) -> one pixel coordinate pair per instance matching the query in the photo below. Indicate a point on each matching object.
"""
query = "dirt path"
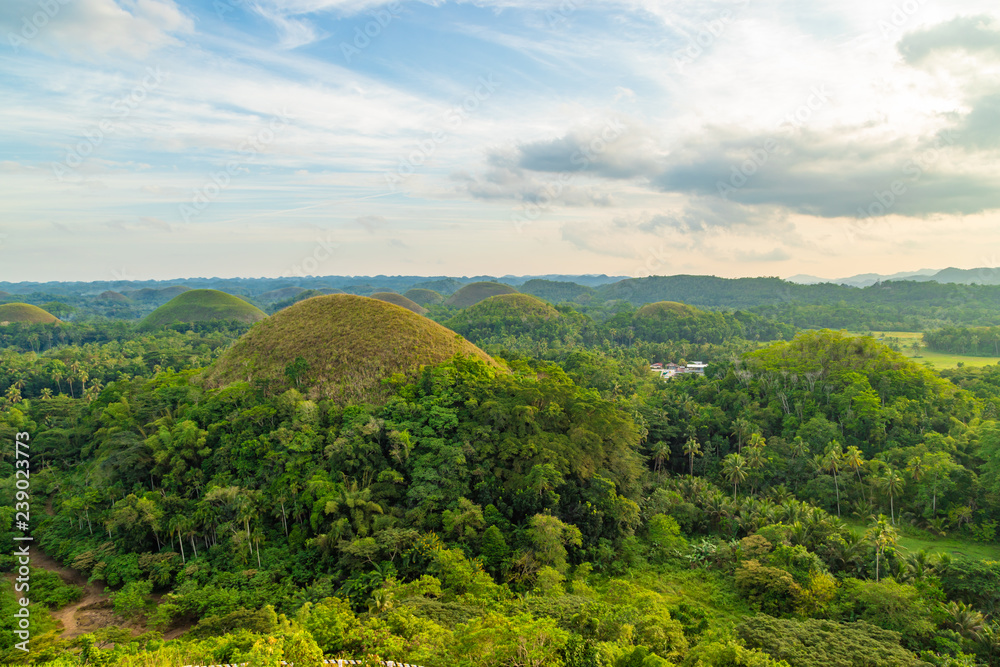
(90, 612)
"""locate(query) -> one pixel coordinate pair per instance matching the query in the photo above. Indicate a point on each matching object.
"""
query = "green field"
(912, 541)
(937, 360)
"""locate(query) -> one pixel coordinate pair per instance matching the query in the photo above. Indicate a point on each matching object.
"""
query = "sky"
(157, 139)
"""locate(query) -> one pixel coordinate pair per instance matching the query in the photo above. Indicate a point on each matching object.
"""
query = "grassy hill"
(111, 295)
(669, 309)
(25, 313)
(504, 314)
(557, 291)
(202, 305)
(4, 295)
(424, 297)
(473, 293)
(339, 346)
(399, 300)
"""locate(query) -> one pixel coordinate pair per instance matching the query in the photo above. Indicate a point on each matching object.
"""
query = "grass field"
(906, 339)
(913, 541)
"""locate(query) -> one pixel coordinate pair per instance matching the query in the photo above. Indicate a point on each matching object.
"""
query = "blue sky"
(168, 138)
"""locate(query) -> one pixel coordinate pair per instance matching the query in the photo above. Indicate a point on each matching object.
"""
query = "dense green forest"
(562, 506)
(904, 305)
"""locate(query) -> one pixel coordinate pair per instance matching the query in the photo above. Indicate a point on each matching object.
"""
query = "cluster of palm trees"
(739, 466)
(842, 548)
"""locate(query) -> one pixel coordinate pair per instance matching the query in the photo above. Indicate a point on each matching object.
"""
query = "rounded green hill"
(339, 346)
(473, 293)
(503, 314)
(25, 314)
(111, 295)
(668, 309)
(202, 305)
(424, 297)
(399, 300)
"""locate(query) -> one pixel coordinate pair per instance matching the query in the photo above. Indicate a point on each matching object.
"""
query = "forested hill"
(894, 305)
(573, 511)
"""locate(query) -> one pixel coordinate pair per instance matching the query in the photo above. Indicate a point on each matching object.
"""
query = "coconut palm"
(831, 462)
(691, 449)
(965, 620)
(734, 467)
(884, 537)
(854, 460)
(892, 483)
(660, 451)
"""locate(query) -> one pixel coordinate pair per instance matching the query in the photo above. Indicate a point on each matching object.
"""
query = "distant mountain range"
(980, 276)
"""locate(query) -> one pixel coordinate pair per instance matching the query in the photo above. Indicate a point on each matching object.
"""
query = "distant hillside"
(473, 293)
(979, 276)
(25, 314)
(556, 291)
(279, 294)
(399, 300)
(339, 346)
(442, 286)
(156, 295)
(200, 306)
(703, 291)
(111, 295)
(425, 297)
(505, 315)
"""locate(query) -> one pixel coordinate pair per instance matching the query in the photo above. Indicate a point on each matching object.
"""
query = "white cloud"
(89, 29)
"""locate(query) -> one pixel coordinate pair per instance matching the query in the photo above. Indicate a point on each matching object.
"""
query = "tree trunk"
(836, 484)
(193, 547)
(91, 528)
(181, 542)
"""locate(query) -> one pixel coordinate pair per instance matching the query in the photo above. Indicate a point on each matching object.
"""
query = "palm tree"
(916, 467)
(734, 467)
(660, 450)
(741, 428)
(854, 460)
(691, 449)
(965, 620)
(799, 447)
(892, 482)
(831, 462)
(884, 537)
